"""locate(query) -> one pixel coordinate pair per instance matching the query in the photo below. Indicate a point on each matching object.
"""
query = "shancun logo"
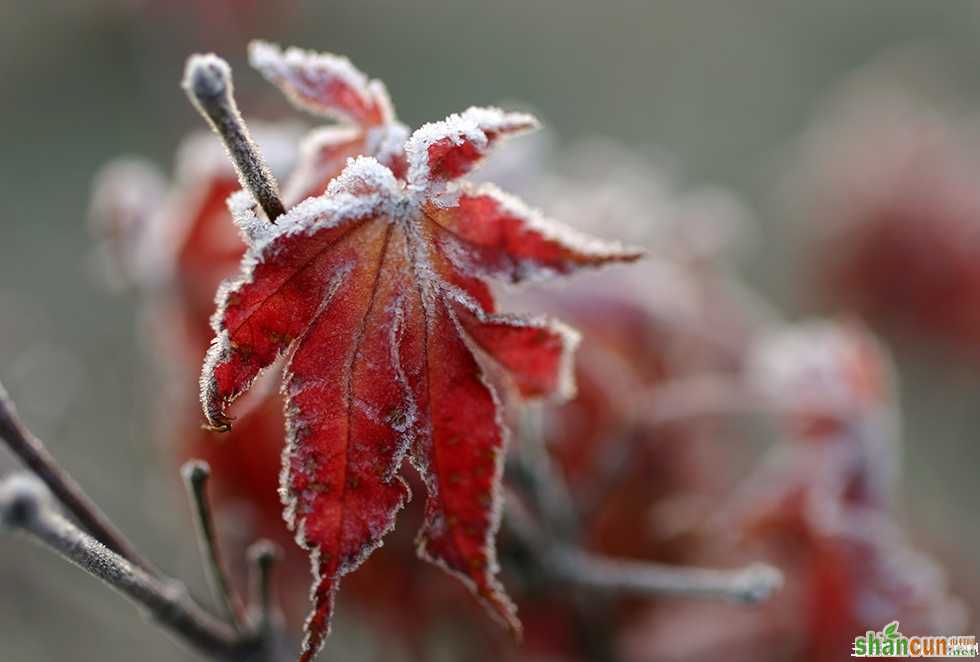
(892, 643)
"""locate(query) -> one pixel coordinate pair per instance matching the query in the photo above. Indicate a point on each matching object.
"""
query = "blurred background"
(725, 93)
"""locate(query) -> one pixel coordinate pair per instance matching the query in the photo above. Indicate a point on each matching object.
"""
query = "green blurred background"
(720, 89)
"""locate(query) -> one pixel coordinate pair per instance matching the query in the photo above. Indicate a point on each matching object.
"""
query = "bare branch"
(750, 584)
(207, 82)
(567, 562)
(25, 504)
(266, 616)
(195, 474)
(36, 457)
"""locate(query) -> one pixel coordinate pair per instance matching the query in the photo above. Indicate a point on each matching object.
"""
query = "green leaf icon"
(891, 630)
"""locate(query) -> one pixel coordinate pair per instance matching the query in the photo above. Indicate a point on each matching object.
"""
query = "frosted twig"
(207, 82)
(562, 557)
(195, 474)
(568, 563)
(749, 584)
(263, 609)
(36, 457)
(25, 505)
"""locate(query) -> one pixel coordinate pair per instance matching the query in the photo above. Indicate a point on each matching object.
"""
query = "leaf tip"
(221, 424)
(316, 629)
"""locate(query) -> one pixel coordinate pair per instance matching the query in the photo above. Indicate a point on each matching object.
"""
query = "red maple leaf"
(376, 293)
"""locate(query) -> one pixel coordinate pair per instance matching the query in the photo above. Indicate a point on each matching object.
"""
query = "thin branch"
(36, 457)
(749, 584)
(25, 505)
(195, 474)
(570, 564)
(207, 82)
(264, 610)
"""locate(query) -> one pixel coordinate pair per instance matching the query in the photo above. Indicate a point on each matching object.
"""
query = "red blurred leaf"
(825, 503)
(374, 292)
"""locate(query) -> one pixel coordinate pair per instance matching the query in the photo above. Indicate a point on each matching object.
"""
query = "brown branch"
(263, 608)
(36, 457)
(195, 474)
(562, 557)
(569, 564)
(750, 584)
(25, 505)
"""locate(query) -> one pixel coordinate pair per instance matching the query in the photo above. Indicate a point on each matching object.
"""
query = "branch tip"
(206, 78)
(196, 474)
(208, 84)
(266, 615)
(756, 582)
(750, 584)
(22, 497)
(264, 553)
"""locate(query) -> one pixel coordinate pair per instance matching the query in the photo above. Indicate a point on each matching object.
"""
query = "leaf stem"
(69, 494)
(25, 505)
(207, 82)
(196, 474)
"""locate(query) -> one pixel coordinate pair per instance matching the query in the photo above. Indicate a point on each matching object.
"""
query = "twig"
(568, 563)
(25, 504)
(207, 81)
(36, 457)
(195, 474)
(750, 584)
(562, 557)
(263, 609)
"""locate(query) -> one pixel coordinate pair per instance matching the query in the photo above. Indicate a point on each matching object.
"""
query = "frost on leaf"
(330, 86)
(374, 293)
(323, 84)
(443, 151)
